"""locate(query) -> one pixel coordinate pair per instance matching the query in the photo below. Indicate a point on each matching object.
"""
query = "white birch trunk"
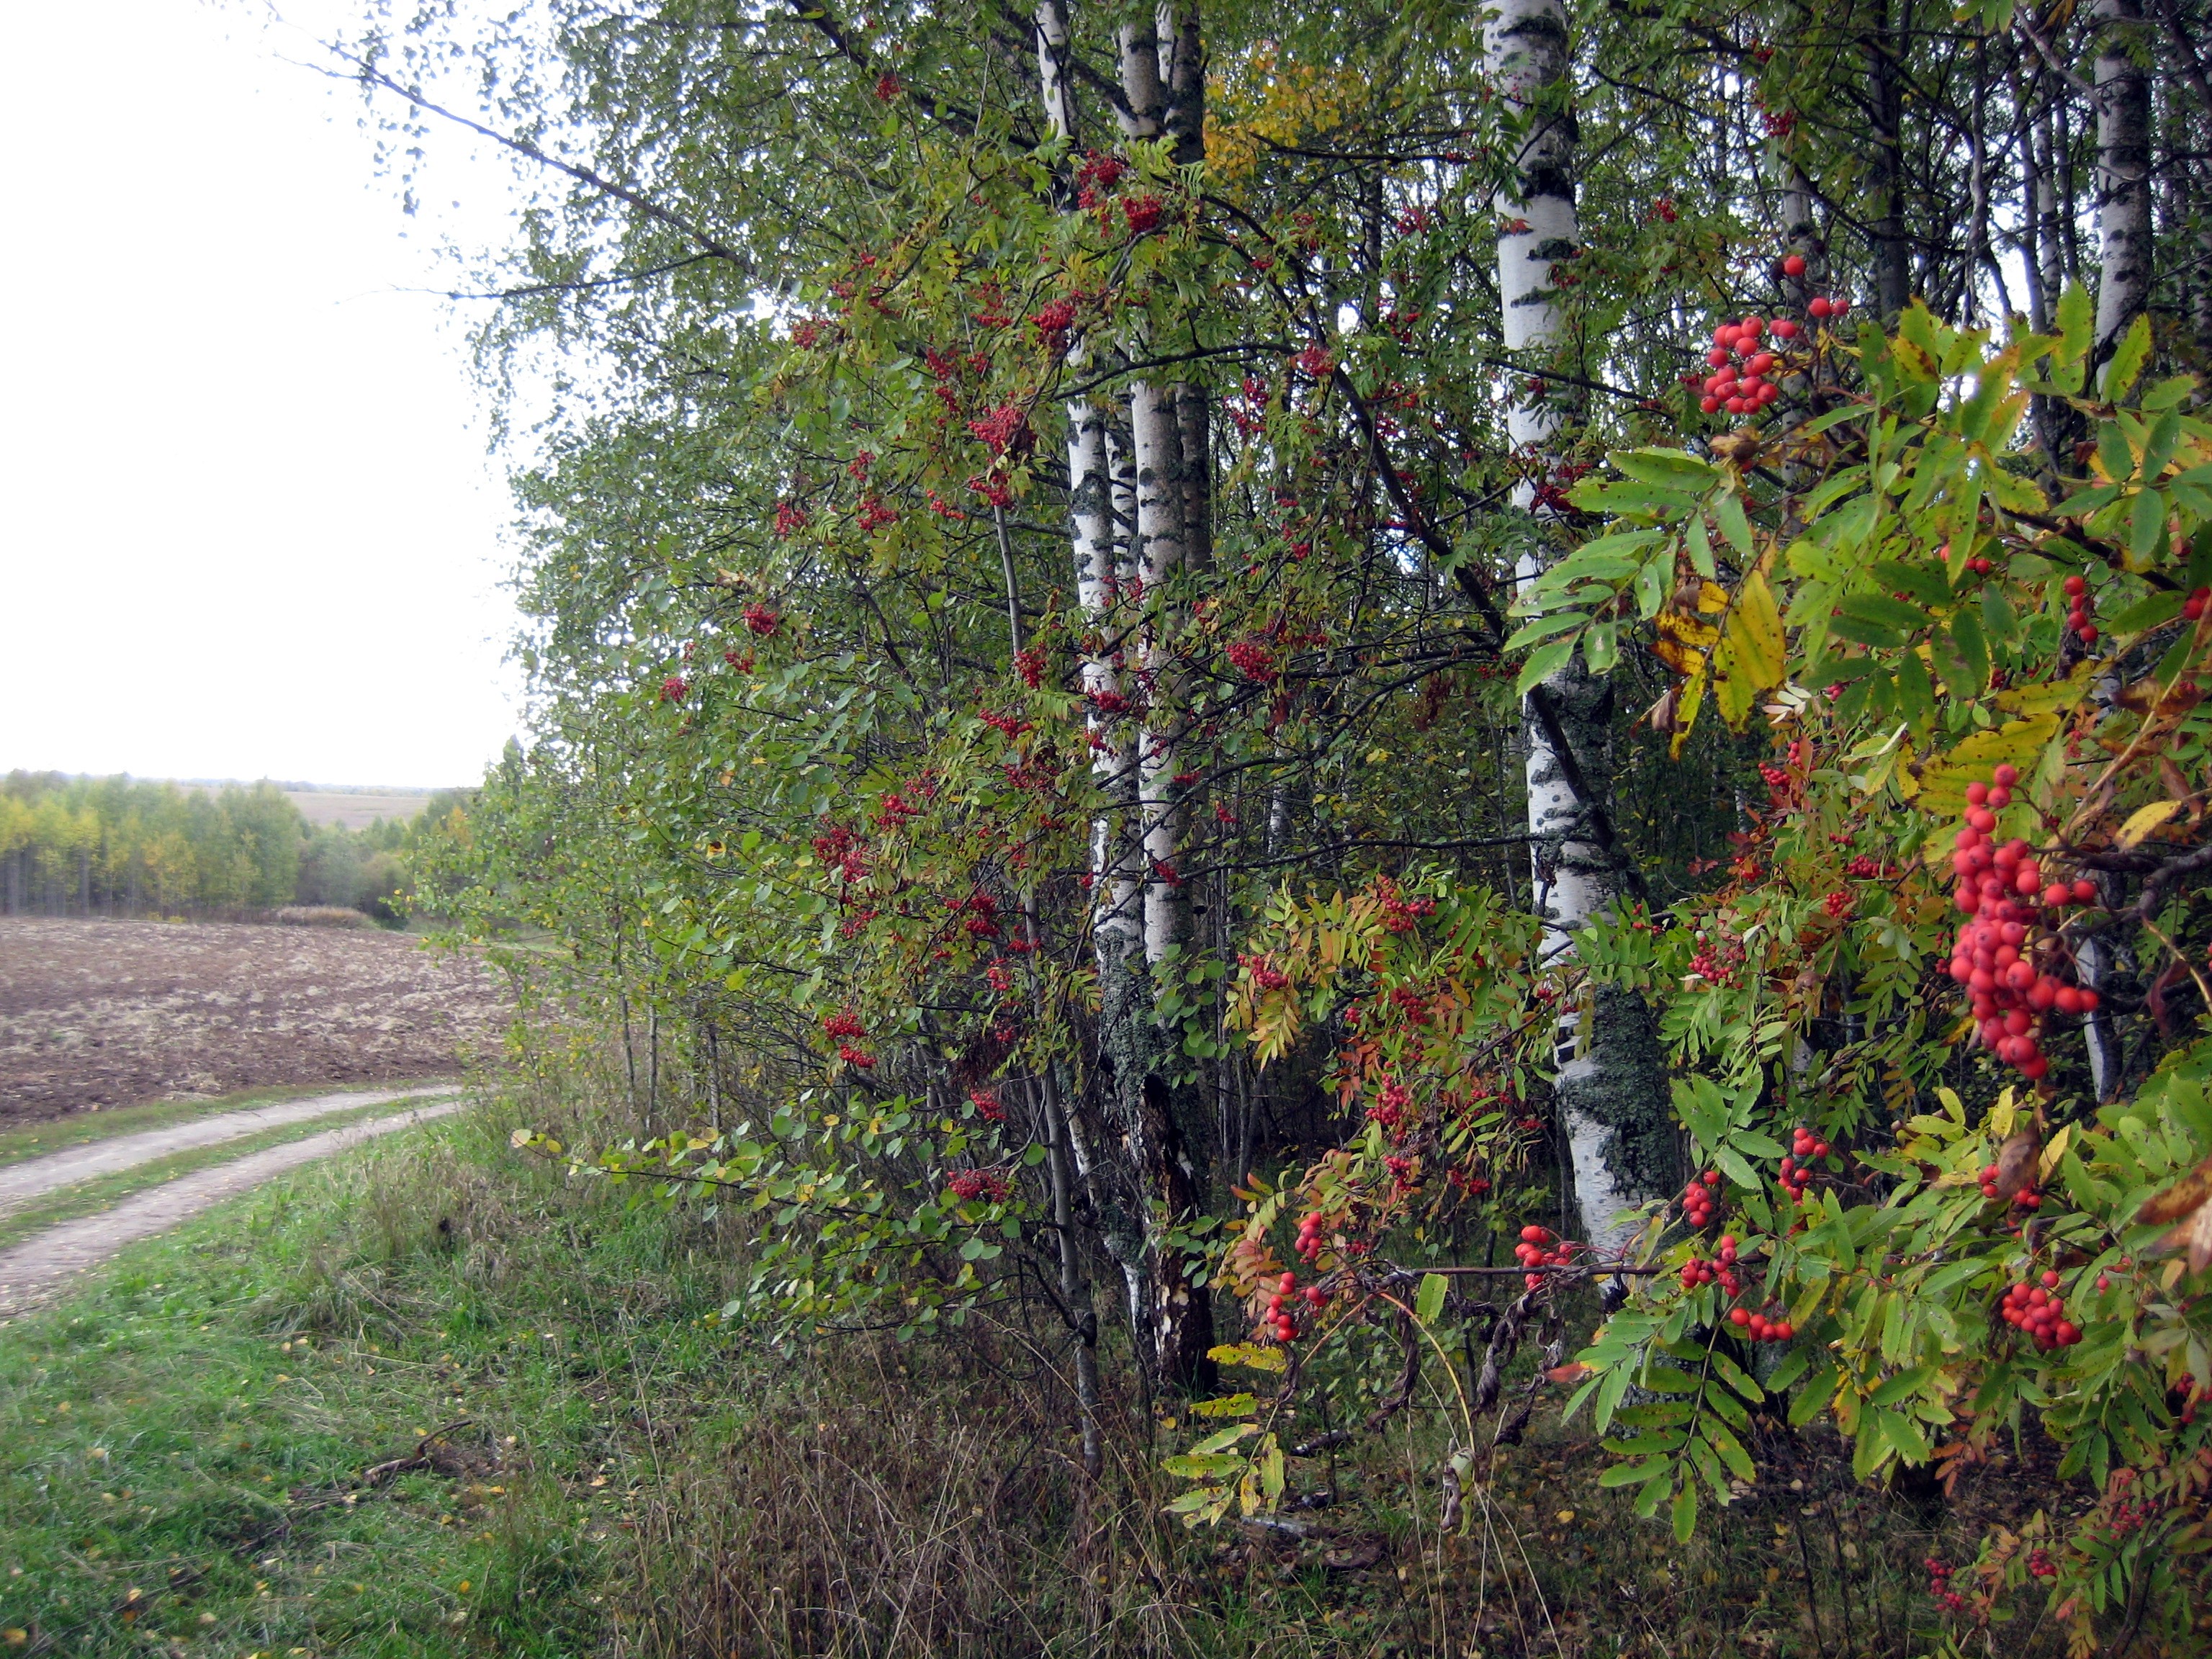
(1055, 85)
(1159, 549)
(2123, 206)
(1525, 44)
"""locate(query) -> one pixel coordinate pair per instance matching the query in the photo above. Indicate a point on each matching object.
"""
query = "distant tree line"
(119, 846)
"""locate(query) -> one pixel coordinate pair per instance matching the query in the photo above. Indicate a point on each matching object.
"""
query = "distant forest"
(72, 845)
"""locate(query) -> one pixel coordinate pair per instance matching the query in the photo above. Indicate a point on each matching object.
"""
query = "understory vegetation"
(438, 1399)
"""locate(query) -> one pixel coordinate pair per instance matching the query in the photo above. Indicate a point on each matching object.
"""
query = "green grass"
(182, 1445)
(104, 1192)
(82, 1128)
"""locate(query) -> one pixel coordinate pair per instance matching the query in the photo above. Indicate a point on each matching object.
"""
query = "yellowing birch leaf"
(2144, 820)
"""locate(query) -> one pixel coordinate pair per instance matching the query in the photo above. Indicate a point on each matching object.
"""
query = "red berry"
(2074, 585)
(1794, 265)
(2005, 775)
(1739, 1317)
(1819, 307)
(1784, 329)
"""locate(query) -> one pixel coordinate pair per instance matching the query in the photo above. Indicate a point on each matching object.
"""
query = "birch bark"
(1605, 1074)
(2123, 204)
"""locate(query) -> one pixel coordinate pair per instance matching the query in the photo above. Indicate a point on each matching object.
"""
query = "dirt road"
(20, 1183)
(37, 1268)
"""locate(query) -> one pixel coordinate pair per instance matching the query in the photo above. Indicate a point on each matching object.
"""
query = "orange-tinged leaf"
(2186, 1195)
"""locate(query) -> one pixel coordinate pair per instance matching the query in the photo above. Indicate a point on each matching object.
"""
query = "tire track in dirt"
(38, 1268)
(35, 1177)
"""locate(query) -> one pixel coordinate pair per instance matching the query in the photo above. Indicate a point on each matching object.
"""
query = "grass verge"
(185, 1442)
(430, 1399)
(105, 1123)
(104, 1192)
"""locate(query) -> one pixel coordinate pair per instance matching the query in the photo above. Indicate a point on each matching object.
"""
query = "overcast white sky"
(247, 524)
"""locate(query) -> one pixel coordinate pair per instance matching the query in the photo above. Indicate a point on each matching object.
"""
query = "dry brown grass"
(98, 1013)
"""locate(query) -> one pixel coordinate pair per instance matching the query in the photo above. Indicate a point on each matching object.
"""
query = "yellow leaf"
(1685, 712)
(1750, 657)
(1249, 1354)
(2145, 819)
(2021, 743)
(1712, 598)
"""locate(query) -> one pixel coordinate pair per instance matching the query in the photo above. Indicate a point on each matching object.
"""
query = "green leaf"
(1543, 663)
(1225, 1439)
(2128, 361)
(1879, 611)
(1685, 1512)
(2146, 529)
(2150, 611)
(1667, 467)
(1972, 648)
(2077, 318)
(1728, 514)
(1193, 1466)
(1430, 1301)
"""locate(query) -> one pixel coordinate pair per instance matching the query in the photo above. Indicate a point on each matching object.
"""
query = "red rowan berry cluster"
(2194, 607)
(989, 1185)
(2126, 1514)
(1797, 1172)
(1099, 172)
(1741, 365)
(2078, 610)
(1277, 1321)
(894, 810)
(1939, 1585)
(1053, 321)
(1837, 905)
(1252, 660)
(1389, 1110)
(1997, 885)
(1309, 1235)
(2028, 1197)
(986, 1102)
(1866, 869)
(1314, 363)
(1401, 914)
(1028, 663)
(1143, 213)
(2040, 1565)
(1266, 977)
(759, 619)
(1005, 430)
(790, 517)
(841, 850)
(855, 1058)
(1539, 1247)
(1759, 1328)
(2039, 1309)
(873, 515)
(844, 1024)
(674, 688)
(1828, 308)
(1721, 1270)
(1701, 1200)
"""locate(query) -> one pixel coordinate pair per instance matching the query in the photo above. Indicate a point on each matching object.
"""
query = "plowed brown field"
(111, 1013)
